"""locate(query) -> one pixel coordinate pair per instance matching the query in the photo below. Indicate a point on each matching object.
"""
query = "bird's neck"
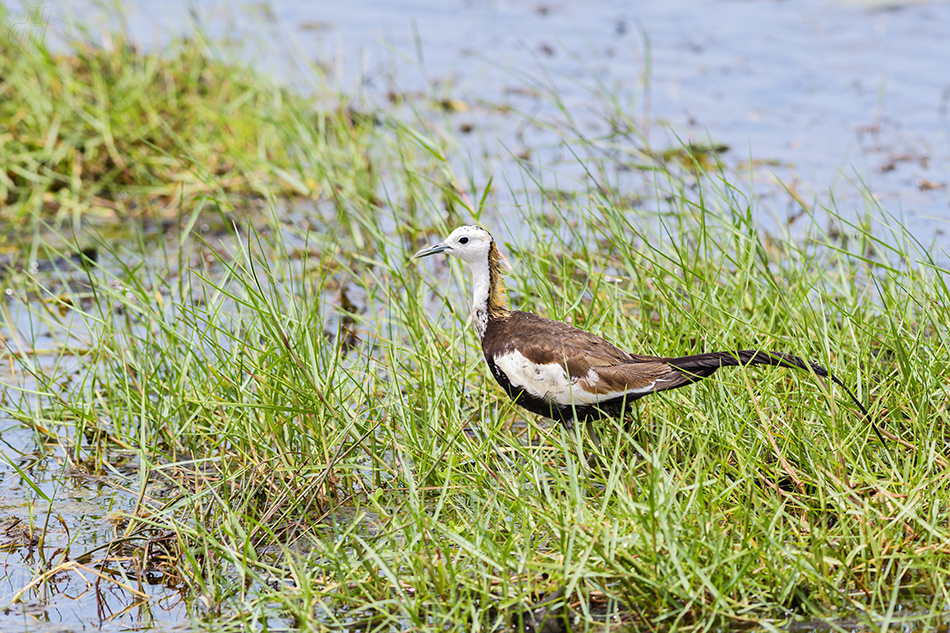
(489, 299)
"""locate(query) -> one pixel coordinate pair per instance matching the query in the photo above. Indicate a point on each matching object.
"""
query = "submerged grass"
(318, 444)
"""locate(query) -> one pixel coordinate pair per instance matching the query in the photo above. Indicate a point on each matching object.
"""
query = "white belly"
(552, 383)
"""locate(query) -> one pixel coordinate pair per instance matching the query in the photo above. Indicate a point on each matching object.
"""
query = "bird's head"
(469, 243)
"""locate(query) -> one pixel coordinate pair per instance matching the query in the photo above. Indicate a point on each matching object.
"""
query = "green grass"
(319, 443)
(114, 132)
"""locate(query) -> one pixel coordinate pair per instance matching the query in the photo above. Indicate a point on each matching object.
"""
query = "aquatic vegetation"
(302, 433)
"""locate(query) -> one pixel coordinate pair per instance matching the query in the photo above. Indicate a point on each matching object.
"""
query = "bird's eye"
(463, 240)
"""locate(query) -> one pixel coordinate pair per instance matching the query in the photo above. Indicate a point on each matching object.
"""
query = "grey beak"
(431, 250)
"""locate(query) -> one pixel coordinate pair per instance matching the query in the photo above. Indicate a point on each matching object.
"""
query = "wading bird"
(567, 374)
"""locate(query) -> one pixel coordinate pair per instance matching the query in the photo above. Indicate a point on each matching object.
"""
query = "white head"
(475, 246)
(469, 243)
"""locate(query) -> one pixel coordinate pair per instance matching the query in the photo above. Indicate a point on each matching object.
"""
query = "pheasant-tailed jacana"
(565, 373)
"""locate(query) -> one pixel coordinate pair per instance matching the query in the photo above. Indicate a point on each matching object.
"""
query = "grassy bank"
(110, 131)
(316, 442)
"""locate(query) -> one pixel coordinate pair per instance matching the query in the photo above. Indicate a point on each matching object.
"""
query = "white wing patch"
(551, 382)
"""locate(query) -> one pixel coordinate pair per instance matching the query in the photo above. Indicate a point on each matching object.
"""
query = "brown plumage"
(557, 370)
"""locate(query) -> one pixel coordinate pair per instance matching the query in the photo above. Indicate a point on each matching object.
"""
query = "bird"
(567, 374)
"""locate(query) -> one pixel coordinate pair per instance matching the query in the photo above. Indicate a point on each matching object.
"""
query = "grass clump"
(385, 482)
(112, 130)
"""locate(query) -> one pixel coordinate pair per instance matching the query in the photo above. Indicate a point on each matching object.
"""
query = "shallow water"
(53, 511)
(62, 503)
(842, 101)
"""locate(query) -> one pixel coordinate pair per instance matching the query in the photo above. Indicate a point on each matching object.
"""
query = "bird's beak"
(431, 250)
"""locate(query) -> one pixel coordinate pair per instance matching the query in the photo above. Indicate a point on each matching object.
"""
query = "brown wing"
(641, 378)
(544, 341)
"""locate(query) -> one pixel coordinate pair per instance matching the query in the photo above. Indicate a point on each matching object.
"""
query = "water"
(830, 100)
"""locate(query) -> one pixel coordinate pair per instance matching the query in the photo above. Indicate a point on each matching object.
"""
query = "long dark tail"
(699, 366)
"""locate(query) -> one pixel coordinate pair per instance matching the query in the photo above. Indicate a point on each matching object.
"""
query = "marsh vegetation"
(211, 326)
